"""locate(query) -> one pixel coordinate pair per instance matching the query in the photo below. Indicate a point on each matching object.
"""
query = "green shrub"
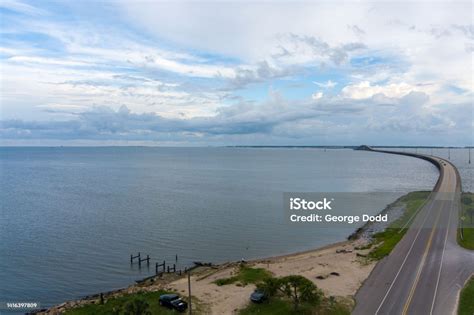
(245, 276)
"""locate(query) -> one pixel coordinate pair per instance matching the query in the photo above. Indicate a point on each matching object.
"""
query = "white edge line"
(404, 261)
(442, 256)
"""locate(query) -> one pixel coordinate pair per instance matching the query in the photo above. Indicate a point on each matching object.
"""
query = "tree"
(269, 286)
(466, 200)
(137, 307)
(299, 289)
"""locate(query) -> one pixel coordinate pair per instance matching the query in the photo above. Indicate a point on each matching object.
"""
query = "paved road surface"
(426, 270)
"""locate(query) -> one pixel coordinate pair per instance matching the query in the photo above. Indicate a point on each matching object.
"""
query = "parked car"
(173, 301)
(258, 296)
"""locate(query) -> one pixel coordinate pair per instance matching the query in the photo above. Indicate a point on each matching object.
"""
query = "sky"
(215, 73)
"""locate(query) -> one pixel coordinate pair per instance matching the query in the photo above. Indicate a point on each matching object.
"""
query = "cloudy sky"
(234, 73)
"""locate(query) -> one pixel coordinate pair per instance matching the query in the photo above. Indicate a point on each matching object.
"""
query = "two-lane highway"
(425, 271)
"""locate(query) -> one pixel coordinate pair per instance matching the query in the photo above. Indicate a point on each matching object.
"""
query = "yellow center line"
(420, 267)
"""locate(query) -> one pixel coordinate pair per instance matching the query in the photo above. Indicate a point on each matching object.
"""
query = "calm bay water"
(70, 217)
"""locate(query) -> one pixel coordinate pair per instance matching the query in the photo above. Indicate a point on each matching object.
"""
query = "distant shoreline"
(346, 147)
(241, 146)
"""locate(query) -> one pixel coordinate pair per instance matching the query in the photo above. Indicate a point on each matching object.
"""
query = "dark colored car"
(173, 301)
(258, 296)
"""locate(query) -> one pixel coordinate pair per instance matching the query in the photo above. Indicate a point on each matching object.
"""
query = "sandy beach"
(348, 272)
(338, 269)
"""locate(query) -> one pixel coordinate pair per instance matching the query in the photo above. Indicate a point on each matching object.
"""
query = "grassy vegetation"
(119, 305)
(295, 294)
(245, 275)
(387, 239)
(281, 306)
(276, 307)
(466, 301)
(467, 217)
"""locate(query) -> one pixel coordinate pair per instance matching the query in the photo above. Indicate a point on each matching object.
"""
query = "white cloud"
(403, 30)
(48, 61)
(21, 7)
(86, 46)
(181, 60)
(63, 108)
(326, 85)
(45, 84)
(245, 30)
(275, 119)
(317, 95)
(365, 90)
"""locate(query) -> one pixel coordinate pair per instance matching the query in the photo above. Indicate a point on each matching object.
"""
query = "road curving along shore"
(426, 270)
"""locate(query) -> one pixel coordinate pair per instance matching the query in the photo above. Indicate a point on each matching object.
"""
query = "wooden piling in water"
(147, 259)
(157, 265)
(134, 257)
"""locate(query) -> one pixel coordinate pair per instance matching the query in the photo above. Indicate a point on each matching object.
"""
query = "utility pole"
(189, 292)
